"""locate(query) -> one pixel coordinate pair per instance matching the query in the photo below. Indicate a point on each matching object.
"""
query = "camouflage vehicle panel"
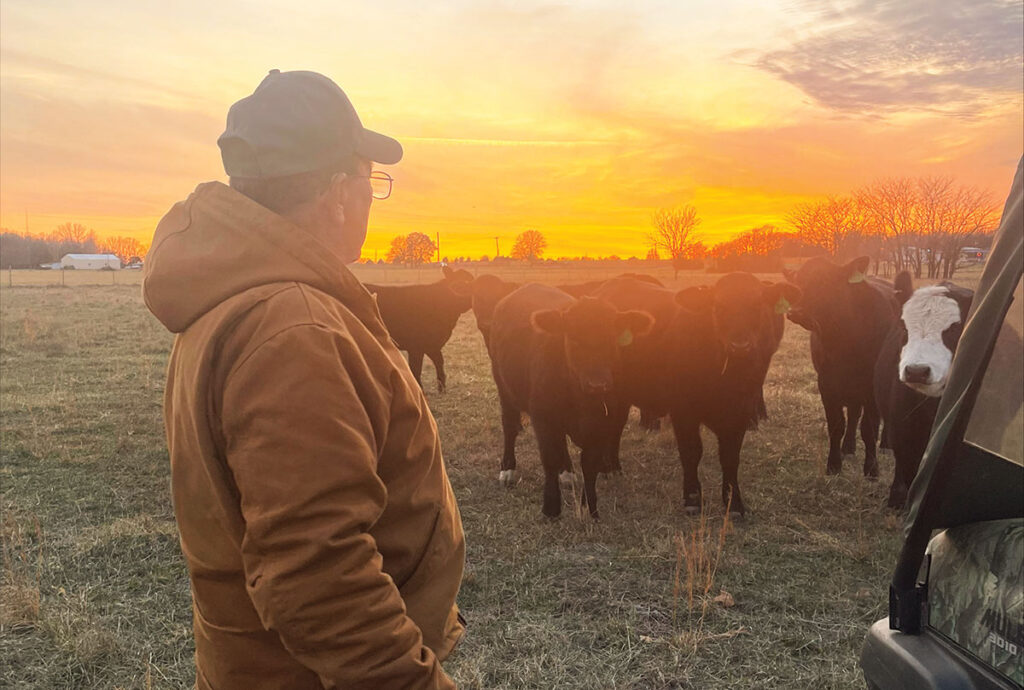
(976, 592)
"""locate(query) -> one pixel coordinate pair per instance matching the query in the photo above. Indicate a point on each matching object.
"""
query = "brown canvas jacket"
(323, 541)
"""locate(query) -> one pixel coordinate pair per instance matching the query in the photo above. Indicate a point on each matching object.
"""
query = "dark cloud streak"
(871, 57)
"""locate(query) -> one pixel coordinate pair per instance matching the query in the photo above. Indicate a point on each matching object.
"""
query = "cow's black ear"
(856, 270)
(904, 286)
(447, 272)
(695, 299)
(781, 296)
(631, 324)
(548, 321)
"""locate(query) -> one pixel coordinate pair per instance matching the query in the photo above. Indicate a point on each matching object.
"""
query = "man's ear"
(856, 270)
(631, 324)
(548, 321)
(781, 296)
(696, 299)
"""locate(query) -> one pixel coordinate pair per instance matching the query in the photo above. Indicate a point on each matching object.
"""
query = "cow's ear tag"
(782, 306)
(625, 338)
(857, 277)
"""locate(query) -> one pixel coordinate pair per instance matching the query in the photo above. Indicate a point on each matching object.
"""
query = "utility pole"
(497, 252)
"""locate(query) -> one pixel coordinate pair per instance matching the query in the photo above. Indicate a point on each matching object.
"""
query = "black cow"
(420, 318)
(704, 362)
(849, 316)
(912, 370)
(589, 288)
(485, 292)
(554, 358)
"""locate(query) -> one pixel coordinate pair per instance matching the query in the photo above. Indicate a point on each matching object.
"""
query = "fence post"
(10, 277)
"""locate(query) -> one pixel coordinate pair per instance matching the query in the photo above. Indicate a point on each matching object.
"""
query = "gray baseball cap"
(296, 122)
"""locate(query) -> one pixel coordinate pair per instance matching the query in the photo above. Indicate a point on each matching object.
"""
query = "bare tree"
(125, 248)
(529, 245)
(891, 211)
(674, 230)
(835, 224)
(414, 248)
(949, 215)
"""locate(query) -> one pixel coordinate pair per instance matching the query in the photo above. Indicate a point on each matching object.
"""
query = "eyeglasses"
(380, 183)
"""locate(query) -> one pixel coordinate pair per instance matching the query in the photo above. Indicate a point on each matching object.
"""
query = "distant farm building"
(91, 262)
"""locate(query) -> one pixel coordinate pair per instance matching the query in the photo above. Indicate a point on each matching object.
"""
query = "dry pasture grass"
(95, 593)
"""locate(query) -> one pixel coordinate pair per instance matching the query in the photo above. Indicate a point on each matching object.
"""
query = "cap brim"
(379, 148)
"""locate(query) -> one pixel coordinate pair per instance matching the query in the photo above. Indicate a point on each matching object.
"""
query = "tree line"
(27, 250)
(917, 224)
(416, 248)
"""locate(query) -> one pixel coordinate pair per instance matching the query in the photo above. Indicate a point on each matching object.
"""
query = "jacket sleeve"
(302, 450)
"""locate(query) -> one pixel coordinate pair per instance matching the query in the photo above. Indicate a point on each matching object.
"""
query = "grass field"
(94, 592)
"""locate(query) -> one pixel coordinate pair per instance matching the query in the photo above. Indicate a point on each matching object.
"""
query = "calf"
(420, 318)
(848, 316)
(912, 370)
(484, 293)
(704, 362)
(554, 358)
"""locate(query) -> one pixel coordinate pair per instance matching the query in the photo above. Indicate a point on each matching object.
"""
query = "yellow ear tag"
(857, 277)
(782, 306)
(626, 338)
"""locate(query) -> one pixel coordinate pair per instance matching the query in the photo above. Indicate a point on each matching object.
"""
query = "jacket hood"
(218, 243)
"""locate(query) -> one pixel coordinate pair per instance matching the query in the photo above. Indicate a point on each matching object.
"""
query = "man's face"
(356, 197)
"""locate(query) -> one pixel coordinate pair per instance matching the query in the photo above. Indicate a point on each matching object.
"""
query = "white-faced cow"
(704, 363)
(420, 318)
(912, 370)
(555, 357)
(849, 316)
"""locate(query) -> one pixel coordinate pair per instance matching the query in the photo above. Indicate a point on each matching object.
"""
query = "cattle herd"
(576, 358)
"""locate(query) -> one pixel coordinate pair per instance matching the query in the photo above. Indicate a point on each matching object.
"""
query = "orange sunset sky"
(578, 119)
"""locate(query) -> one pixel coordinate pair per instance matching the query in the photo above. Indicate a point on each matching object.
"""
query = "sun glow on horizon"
(578, 121)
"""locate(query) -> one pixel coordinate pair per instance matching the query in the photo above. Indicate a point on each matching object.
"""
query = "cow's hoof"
(692, 504)
(833, 469)
(566, 478)
(871, 471)
(740, 514)
(507, 477)
(849, 455)
(595, 516)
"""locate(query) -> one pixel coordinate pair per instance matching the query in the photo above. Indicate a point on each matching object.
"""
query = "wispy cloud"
(874, 57)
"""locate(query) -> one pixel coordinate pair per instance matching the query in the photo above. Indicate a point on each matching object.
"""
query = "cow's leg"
(511, 425)
(687, 432)
(853, 415)
(438, 359)
(551, 444)
(869, 434)
(590, 460)
(836, 425)
(729, 445)
(618, 415)
(565, 473)
(416, 365)
(883, 441)
(648, 419)
(900, 487)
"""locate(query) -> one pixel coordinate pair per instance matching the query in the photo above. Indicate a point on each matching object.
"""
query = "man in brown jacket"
(322, 538)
